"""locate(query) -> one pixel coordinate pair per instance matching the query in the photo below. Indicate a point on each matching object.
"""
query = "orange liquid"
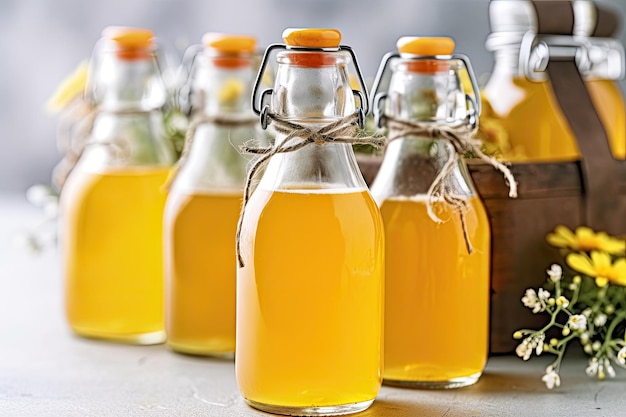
(436, 294)
(201, 271)
(112, 253)
(536, 129)
(609, 102)
(309, 298)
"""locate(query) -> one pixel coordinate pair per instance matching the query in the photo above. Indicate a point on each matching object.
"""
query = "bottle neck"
(312, 87)
(119, 84)
(427, 97)
(220, 88)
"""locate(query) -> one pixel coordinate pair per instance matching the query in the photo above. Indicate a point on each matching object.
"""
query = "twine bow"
(461, 141)
(298, 136)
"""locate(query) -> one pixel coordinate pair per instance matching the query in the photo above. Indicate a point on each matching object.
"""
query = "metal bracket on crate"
(595, 57)
(261, 108)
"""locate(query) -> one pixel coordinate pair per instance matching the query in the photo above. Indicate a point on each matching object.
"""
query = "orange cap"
(426, 46)
(312, 38)
(416, 45)
(229, 48)
(131, 43)
(230, 44)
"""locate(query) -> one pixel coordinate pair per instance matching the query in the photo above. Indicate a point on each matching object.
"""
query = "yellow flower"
(70, 88)
(600, 267)
(585, 239)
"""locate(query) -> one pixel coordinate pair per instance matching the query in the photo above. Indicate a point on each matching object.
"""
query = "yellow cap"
(230, 44)
(312, 38)
(129, 38)
(427, 46)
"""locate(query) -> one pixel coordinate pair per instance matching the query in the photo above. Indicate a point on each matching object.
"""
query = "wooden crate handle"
(600, 171)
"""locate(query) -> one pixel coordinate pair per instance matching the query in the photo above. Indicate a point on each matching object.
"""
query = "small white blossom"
(596, 345)
(551, 379)
(543, 295)
(525, 349)
(600, 368)
(600, 320)
(577, 322)
(621, 356)
(555, 273)
(562, 301)
(531, 300)
(584, 338)
(609, 368)
(587, 312)
(592, 369)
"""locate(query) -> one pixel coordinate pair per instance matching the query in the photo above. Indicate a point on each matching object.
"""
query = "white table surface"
(46, 371)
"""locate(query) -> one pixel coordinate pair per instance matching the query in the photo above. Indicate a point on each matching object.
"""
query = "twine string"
(460, 141)
(196, 121)
(298, 136)
(73, 137)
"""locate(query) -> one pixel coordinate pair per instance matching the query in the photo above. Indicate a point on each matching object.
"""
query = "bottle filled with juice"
(524, 109)
(204, 199)
(311, 254)
(437, 244)
(112, 202)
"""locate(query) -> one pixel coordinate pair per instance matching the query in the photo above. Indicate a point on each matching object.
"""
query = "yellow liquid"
(112, 253)
(309, 299)
(609, 102)
(201, 272)
(536, 129)
(436, 294)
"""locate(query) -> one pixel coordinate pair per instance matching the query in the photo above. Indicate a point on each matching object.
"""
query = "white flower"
(587, 312)
(577, 322)
(562, 301)
(536, 301)
(621, 356)
(609, 368)
(525, 349)
(600, 368)
(555, 272)
(551, 379)
(600, 319)
(592, 369)
(530, 300)
(543, 295)
(584, 338)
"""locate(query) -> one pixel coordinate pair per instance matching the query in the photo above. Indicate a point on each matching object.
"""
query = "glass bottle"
(526, 110)
(112, 202)
(436, 291)
(309, 289)
(204, 201)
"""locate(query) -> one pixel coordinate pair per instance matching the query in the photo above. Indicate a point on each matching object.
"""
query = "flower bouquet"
(585, 302)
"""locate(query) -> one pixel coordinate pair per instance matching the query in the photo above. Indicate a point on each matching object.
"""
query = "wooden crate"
(549, 194)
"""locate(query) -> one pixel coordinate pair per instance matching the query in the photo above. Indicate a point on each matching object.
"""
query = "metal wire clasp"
(260, 101)
(595, 57)
(382, 81)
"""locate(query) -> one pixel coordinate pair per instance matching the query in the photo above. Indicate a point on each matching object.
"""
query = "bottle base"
(446, 384)
(330, 410)
(154, 338)
(184, 349)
